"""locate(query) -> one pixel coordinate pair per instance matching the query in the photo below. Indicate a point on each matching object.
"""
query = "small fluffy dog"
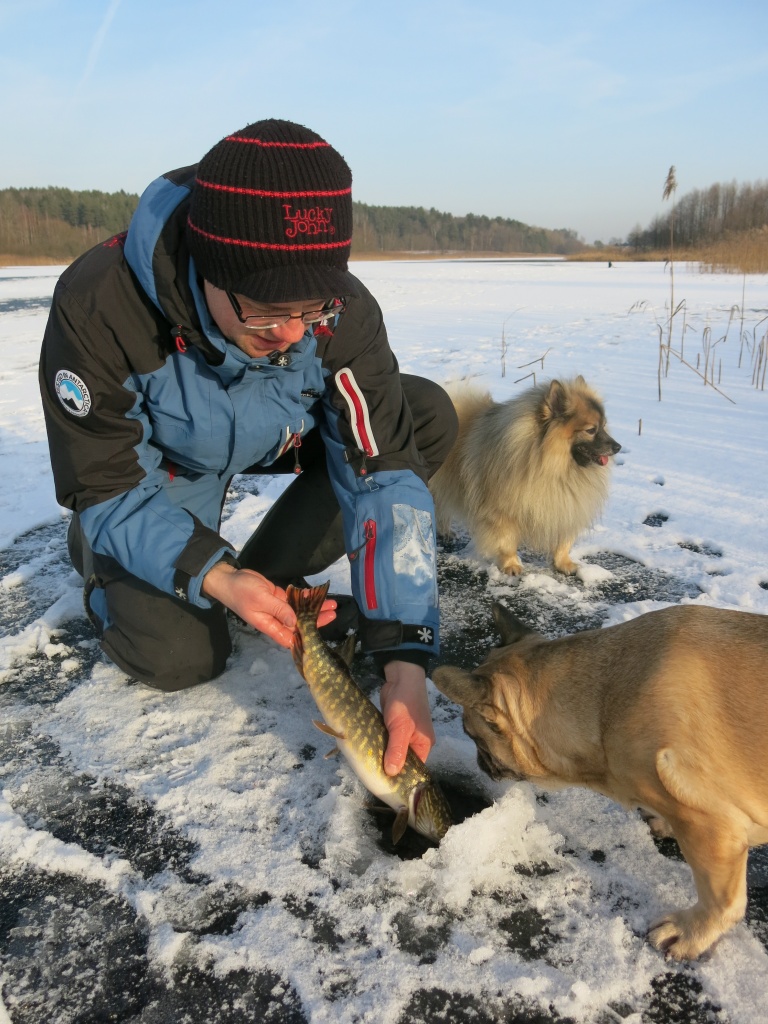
(530, 471)
(666, 712)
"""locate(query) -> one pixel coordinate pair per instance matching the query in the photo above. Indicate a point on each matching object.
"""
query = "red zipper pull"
(177, 333)
(296, 446)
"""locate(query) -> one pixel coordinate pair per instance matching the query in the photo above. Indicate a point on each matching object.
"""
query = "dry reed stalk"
(670, 186)
(743, 252)
(504, 342)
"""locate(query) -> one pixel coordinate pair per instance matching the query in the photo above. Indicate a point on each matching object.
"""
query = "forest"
(706, 216)
(414, 229)
(723, 224)
(60, 223)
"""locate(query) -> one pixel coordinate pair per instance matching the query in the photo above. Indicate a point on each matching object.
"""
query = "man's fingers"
(278, 610)
(397, 750)
(400, 738)
(325, 617)
(274, 630)
(421, 746)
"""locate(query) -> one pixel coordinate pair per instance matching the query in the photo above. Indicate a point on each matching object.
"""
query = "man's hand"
(405, 707)
(258, 602)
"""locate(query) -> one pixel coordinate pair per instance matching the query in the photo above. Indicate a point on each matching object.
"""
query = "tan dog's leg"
(562, 559)
(659, 826)
(717, 856)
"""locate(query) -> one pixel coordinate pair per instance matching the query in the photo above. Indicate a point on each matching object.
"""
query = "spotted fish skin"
(358, 727)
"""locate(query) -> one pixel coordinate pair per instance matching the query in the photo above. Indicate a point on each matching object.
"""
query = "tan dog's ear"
(510, 627)
(461, 687)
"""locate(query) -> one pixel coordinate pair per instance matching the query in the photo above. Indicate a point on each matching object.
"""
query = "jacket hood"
(157, 253)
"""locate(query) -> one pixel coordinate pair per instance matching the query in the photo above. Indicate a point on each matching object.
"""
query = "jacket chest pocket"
(190, 415)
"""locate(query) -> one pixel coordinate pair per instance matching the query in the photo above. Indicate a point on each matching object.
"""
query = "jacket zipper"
(370, 564)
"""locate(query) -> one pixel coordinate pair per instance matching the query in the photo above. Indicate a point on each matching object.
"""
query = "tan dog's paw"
(685, 934)
(659, 826)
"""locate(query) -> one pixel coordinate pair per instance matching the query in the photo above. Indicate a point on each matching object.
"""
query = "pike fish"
(357, 726)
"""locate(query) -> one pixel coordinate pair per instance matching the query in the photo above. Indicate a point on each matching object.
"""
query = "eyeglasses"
(268, 321)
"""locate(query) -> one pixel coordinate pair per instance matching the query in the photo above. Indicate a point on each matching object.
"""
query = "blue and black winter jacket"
(150, 412)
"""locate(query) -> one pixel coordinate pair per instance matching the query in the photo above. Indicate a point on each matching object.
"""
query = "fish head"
(431, 815)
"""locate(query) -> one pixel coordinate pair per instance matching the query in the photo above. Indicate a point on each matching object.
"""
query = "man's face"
(256, 343)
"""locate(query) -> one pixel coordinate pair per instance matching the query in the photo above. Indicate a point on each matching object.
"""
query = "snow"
(233, 804)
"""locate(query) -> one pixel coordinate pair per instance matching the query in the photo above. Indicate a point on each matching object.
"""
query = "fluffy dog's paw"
(684, 935)
(511, 566)
(566, 566)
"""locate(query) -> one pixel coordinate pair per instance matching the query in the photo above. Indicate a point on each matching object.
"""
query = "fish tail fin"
(297, 651)
(307, 600)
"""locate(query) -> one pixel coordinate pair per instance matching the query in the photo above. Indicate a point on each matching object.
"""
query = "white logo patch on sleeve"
(72, 393)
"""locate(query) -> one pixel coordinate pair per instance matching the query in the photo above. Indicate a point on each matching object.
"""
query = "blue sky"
(559, 114)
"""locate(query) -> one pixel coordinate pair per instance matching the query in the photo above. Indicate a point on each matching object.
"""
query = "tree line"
(61, 223)
(414, 229)
(705, 216)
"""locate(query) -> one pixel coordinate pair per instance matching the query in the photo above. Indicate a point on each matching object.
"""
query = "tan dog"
(667, 713)
(532, 471)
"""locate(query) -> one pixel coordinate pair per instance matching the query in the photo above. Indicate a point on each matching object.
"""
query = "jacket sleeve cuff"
(398, 637)
(204, 549)
(414, 657)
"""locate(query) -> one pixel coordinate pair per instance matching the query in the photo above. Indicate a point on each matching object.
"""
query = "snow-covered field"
(194, 857)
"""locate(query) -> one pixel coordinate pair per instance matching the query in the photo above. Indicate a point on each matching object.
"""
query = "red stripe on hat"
(268, 245)
(287, 145)
(270, 195)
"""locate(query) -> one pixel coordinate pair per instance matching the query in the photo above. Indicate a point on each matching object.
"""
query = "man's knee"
(162, 641)
(434, 419)
(169, 668)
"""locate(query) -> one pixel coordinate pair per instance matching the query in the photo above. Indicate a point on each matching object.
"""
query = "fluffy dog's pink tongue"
(603, 460)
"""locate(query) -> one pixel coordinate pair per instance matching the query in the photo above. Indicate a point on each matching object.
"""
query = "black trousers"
(171, 644)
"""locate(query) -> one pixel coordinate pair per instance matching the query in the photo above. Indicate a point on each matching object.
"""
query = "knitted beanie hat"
(271, 215)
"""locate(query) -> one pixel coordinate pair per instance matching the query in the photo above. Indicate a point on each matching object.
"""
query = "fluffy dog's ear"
(555, 403)
(510, 627)
(461, 686)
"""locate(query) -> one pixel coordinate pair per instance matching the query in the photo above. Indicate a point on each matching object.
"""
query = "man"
(224, 334)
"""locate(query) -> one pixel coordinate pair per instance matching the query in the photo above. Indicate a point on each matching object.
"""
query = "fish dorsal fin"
(399, 825)
(327, 729)
(346, 649)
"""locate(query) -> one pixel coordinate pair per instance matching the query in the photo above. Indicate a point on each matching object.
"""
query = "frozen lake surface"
(194, 858)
